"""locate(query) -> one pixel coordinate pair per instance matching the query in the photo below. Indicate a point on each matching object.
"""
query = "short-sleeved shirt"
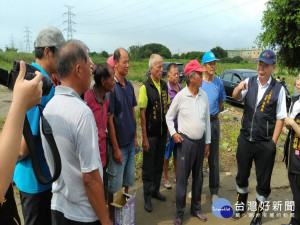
(121, 102)
(281, 104)
(75, 133)
(215, 92)
(295, 110)
(143, 98)
(24, 176)
(100, 110)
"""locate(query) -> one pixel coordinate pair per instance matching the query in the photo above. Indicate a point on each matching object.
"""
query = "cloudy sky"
(181, 25)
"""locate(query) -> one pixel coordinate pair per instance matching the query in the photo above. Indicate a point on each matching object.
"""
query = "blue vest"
(259, 121)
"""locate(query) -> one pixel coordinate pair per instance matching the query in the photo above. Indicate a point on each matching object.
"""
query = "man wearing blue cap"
(264, 112)
(214, 88)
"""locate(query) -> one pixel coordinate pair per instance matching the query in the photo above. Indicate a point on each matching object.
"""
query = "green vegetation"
(7, 58)
(138, 68)
(219, 52)
(281, 28)
(137, 52)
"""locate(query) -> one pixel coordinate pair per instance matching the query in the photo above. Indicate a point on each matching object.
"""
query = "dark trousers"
(295, 186)
(213, 158)
(58, 218)
(153, 162)
(190, 155)
(36, 208)
(263, 154)
(8, 209)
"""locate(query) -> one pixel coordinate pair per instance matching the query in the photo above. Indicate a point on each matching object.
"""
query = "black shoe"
(241, 209)
(293, 221)
(258, 214)
(256, 219)
(159, 196)
(148, 205)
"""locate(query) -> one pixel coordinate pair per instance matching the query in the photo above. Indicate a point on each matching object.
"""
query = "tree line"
(137, 53)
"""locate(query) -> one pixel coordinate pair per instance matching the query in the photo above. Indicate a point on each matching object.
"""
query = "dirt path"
(5, 101)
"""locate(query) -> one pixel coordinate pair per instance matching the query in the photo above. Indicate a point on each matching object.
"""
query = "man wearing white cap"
(35, 197)
(215, 91)
(191, 108)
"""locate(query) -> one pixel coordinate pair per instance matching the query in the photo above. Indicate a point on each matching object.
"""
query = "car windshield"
(249, 74)
(180, 68)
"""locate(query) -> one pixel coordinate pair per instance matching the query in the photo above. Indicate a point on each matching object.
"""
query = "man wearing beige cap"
(191, 108)
(35, 197)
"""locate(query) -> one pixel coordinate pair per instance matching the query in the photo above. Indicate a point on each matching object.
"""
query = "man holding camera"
(35, 197)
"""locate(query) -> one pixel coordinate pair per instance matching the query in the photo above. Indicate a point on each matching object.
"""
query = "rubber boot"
(241, 206)
(258, 214)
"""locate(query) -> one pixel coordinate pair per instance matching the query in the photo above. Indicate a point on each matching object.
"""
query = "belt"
(192, 140)
(214, 117)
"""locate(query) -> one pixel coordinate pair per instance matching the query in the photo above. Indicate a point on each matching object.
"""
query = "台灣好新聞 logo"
(222, 208)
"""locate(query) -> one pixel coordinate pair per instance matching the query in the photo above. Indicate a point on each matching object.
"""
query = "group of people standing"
(95, 132)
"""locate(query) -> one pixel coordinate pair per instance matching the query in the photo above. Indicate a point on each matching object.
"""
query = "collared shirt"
(172, 91)
(100, 110)
(215, 92)
(75, 133)
(121, 102)
(296, 109)
(281, 104)
(193, 115)
(143, 97)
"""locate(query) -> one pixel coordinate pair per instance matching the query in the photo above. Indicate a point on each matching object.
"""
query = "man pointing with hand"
(264, 111)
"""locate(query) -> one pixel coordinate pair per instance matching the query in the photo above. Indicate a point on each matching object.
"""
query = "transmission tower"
(21, 46)
(27, 39)
(70, 22)
(12, 42)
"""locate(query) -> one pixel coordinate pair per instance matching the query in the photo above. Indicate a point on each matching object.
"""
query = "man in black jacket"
(153, 100)
(264, 112)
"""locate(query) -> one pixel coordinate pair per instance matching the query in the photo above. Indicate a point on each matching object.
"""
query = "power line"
(134, 29)
(70, 22)
(27, 39)
(124, 31)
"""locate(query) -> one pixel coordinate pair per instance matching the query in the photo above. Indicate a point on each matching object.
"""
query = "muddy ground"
(163, 212)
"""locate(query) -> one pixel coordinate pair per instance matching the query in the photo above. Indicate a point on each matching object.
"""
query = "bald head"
(71, 53)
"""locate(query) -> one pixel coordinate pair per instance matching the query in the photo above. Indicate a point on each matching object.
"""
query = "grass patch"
(2, 121)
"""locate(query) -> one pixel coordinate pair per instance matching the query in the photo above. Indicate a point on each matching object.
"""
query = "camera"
(9, 79)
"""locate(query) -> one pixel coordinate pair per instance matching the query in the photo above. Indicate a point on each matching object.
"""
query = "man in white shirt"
(264, 112)
(78, 196)
(193, 138)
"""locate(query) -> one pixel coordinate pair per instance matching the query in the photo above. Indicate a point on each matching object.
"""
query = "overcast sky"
(181, 25)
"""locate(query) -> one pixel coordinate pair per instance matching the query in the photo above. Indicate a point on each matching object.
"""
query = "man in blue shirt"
(35, 197)
(214, 88)
(121, 129)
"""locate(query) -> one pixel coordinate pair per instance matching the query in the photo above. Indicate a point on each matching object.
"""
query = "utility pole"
(27, 39)
(70, 22)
